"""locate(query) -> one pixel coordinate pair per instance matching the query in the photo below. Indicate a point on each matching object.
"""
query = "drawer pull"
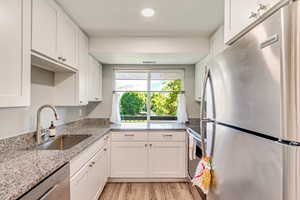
(167, 135)
(129, 135)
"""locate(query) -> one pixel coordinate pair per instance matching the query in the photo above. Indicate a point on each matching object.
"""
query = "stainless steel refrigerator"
(252, 118)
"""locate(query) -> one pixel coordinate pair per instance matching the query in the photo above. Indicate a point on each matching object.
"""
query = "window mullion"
(148, 97)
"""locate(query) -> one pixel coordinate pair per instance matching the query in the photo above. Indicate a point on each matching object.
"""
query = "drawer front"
(80, 160)
(167, 136)
(129, 136)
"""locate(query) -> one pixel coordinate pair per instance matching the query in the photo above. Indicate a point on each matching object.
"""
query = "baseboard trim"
(147, 180)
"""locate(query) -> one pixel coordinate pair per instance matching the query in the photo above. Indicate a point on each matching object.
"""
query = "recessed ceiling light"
(148, 12)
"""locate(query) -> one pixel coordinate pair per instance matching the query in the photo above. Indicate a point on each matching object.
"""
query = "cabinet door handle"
(60, 58)
(150, 145)
(146, 145)
(64, 59)
(104, 149)
(252, 15)
(261, 7)
(167, 135)
(129, 135)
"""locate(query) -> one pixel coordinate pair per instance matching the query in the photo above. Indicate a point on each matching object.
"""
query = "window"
(148, 95)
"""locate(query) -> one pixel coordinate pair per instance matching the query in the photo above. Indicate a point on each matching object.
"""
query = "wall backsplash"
(16, 121)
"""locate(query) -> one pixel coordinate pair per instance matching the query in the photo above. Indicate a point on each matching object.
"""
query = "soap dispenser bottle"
(52, 130)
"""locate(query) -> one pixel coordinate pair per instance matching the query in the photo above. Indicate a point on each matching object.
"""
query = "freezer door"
(246, 167)
(246, 80)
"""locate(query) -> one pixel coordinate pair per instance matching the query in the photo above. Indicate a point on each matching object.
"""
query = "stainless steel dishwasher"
(54, 187)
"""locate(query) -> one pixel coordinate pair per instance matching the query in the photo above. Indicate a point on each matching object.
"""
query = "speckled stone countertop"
(148, 126)
(23, 168)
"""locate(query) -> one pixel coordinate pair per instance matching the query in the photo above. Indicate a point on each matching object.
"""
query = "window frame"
(181, 72)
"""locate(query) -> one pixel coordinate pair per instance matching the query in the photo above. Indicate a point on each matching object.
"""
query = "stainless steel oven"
(192, 163)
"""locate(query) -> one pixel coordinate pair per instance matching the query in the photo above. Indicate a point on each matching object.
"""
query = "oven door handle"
(193, 134)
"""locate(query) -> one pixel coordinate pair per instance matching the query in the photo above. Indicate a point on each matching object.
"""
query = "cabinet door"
(67, 41)
(97, 174)
(83, 62)
(217, 44)
(129, 159)
(94, 80)
(200, 70)
(44, 28)
(15, 31)
(80, 186)
(237, 16)
(167, 159)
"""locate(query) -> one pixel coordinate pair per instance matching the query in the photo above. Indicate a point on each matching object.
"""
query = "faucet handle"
(44, 132)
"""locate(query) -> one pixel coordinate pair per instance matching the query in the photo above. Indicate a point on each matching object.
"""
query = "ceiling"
(123, 17)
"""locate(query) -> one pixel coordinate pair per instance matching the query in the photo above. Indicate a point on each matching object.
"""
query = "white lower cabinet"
(129, 159)
(98, 173)
(162, 155)
(167, 159)
(79, 185)
(89, 171)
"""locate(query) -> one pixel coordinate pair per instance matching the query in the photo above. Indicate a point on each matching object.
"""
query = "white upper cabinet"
(83, 66)
(67, 41)
(200, 70)
(45, 28)
(15, 39)
(217, 44)
(240, 15)
(94, 80)
(54, 35)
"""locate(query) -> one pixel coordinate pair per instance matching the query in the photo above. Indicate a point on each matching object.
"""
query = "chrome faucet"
(39, 129)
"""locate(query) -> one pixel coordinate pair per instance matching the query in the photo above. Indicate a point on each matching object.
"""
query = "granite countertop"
(22, 169)
(148, 126)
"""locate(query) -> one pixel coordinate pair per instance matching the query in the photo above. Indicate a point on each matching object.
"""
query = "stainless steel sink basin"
(63, 142)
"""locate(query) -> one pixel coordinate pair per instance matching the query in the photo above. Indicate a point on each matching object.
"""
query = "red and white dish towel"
(203, 176)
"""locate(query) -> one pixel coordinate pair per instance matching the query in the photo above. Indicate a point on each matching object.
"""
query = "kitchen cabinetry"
(89, 172)
(241, 15)
(71, 88)
(217, 44)
(83, 66)
(45, 14)
(166, 159)
(15, 53)
(200, 70)
(129, 159)
(94, 80)
(160, 155)
(67, 41)
(54, 35)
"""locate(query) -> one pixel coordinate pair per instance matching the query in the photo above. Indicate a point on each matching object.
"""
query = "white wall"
(103, 109)
(15, 121)
(135, 50)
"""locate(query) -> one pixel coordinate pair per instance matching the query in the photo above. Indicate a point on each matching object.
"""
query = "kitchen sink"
(63, 142)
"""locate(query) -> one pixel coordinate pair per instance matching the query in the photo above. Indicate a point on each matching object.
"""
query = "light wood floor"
(149, 191)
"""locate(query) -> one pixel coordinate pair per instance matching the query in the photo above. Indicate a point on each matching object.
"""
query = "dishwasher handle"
(44, 196)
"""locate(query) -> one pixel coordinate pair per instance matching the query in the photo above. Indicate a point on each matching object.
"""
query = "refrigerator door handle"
(203, 119)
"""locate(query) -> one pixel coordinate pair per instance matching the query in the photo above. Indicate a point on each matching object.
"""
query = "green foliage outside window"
(166, 103)
(134, 103)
